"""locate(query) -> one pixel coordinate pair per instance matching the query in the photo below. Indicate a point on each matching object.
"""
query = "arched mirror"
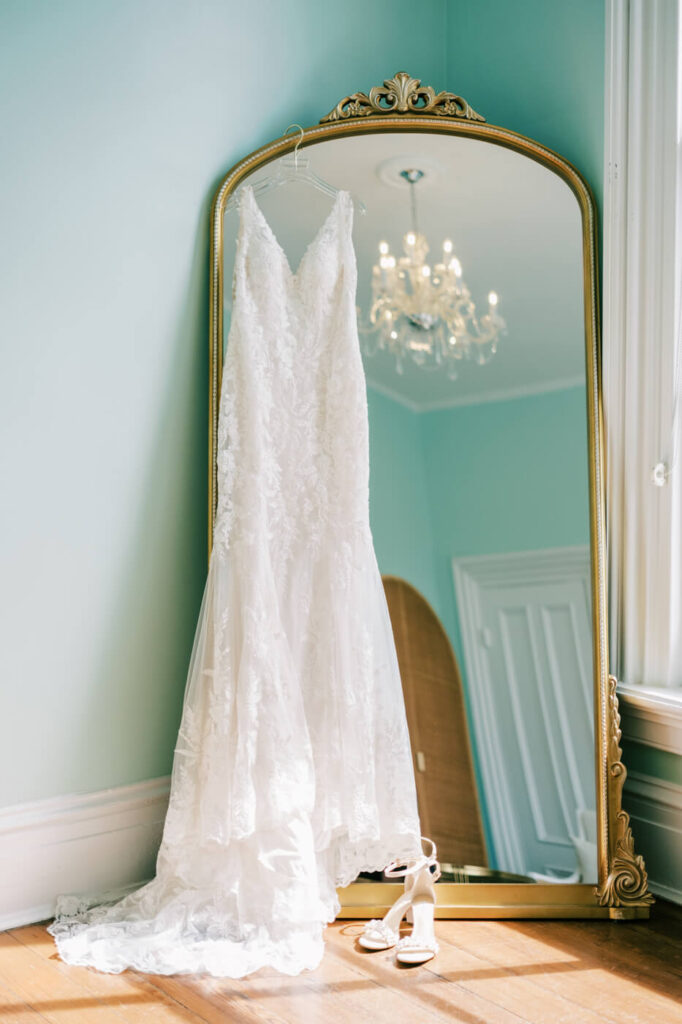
(477, 317)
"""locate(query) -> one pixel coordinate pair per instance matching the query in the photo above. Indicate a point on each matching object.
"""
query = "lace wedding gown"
(292, 770)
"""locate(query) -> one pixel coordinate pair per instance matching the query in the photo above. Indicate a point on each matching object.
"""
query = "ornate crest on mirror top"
(402, 103)
(402, 95)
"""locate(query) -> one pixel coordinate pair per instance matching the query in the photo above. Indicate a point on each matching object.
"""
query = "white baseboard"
(102, 841)
(655, 809)
(77, 843)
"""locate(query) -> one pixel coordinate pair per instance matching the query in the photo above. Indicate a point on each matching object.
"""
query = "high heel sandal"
(421, 945)
(385, 933)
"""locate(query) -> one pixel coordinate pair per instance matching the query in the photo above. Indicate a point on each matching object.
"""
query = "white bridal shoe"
(417, 903)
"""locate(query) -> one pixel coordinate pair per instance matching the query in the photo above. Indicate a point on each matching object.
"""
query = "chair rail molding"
(79, 843)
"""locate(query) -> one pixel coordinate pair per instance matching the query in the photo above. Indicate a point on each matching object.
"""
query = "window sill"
(652, 716)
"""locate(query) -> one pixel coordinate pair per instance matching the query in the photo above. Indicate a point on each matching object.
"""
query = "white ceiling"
(516, 230)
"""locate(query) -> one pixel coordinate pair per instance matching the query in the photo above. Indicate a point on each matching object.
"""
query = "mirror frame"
(403, 104)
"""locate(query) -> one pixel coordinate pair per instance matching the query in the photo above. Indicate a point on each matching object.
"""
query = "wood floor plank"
(346, 993)
(633, 949)
(469, 965)
(58, 998)
(384, 998)
(559, 972)
(229, 1005)
(14, 1010)
(487, 972)
(451, 1000)
(263, 997)
(665, 923)
(165, 994)
(62, 993)
(137, 1000)
(584, 982)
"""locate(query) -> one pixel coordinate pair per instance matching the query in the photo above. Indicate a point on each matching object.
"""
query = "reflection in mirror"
(478, 481)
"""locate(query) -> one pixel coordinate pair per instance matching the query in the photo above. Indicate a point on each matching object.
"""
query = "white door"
(526, 631)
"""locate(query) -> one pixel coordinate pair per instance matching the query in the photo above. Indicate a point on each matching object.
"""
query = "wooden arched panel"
(434, 701)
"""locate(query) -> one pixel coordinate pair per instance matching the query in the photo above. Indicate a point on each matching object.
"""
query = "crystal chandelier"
(425, 313)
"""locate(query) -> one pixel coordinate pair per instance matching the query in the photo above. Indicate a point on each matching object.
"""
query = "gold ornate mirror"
(478, 318)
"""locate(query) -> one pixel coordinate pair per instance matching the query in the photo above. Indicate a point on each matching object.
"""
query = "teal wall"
(400, 510)
(490, 478)
(660, 764)
(117, 120)
(505, 476)
(536, 66)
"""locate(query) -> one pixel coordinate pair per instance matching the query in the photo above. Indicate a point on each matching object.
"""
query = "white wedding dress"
(292, 770)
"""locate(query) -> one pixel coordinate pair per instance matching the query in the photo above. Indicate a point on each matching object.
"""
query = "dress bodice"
(293, 364)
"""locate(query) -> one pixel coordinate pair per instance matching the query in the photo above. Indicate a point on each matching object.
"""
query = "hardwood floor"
(487, 972)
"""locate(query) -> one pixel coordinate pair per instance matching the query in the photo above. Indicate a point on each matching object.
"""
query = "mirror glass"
(478, 480)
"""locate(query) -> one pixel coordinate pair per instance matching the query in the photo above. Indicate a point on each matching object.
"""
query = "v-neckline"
(293, 274)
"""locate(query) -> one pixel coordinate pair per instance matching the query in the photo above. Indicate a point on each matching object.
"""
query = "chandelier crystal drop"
(424, 312)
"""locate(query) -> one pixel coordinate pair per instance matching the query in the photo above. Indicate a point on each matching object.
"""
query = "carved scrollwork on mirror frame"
(626, 883)
(402, 95)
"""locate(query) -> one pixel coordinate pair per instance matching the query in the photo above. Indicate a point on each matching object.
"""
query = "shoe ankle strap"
(413, 867)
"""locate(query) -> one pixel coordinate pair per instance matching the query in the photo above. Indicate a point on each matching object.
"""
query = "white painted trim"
(517, 567)
(652, 717)
(485, 725)
(506, 394)
(641, 270)
(483, 398)
(525, 744)
(470, 575)
(614, 283)
(655, 809)
(90, 843)
(395, 396)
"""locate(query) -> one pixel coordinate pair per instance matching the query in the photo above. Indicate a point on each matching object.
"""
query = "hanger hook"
(300, 139)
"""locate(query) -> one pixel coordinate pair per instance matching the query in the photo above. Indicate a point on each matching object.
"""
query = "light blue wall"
(400, 512)
(505, 476)
(482, 479)
(117, 119)
(536, 66)
(488, 478)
